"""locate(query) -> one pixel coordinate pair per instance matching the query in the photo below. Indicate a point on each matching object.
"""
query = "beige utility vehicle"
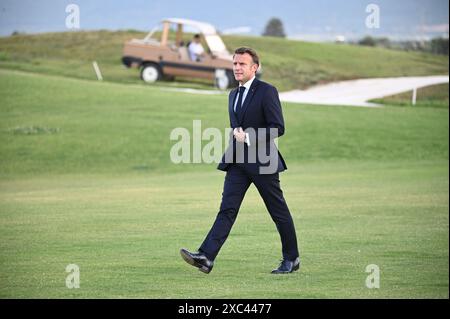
(169, 57)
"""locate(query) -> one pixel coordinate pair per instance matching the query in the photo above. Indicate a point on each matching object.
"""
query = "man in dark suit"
(252, 157)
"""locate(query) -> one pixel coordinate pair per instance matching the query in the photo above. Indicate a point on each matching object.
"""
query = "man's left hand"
(239, 134)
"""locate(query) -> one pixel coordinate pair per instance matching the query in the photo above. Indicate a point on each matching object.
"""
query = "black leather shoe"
(197, 260)
(287, 266)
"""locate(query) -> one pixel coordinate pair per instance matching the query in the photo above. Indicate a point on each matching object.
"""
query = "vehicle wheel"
(224, 79)
(150, 73)
(233, 83)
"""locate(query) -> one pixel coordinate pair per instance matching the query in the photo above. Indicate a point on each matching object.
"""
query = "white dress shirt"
(195, 50)
(247, 88)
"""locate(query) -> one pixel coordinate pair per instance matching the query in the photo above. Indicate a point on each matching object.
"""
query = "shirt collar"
(248, 84)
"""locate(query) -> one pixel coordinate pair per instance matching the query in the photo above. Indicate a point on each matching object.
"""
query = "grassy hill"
(287, 64)
(86, 179)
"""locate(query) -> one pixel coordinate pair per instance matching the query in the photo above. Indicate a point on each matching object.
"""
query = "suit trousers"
(237, 181)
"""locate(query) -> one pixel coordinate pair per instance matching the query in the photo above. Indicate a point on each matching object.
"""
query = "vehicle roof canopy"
(213, 40)
(205, 28)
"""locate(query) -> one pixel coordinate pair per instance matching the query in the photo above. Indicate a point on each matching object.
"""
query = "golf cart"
(169, 57)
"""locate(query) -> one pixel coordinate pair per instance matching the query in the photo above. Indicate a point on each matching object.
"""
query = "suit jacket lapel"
(233, 118)
(247, 100)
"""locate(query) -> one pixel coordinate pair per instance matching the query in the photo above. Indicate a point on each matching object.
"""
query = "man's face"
(243, 67)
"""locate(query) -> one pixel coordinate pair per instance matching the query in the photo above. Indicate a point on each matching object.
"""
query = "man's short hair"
(197, 36)
(249, 51)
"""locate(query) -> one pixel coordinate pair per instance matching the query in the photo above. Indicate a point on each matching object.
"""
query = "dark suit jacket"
(261, 112)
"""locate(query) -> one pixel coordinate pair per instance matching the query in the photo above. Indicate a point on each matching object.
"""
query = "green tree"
(368, 41)
(439, 46)
(274, 28)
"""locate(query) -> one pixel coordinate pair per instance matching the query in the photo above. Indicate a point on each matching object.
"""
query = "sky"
(302, 19)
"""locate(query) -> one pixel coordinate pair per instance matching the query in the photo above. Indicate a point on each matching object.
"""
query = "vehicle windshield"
(216, 44)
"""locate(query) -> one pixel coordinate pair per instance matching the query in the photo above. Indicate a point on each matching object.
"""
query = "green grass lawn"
(86, 178)
(429, 96)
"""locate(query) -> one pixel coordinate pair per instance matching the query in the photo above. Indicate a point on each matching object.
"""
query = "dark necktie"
(239, 102)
